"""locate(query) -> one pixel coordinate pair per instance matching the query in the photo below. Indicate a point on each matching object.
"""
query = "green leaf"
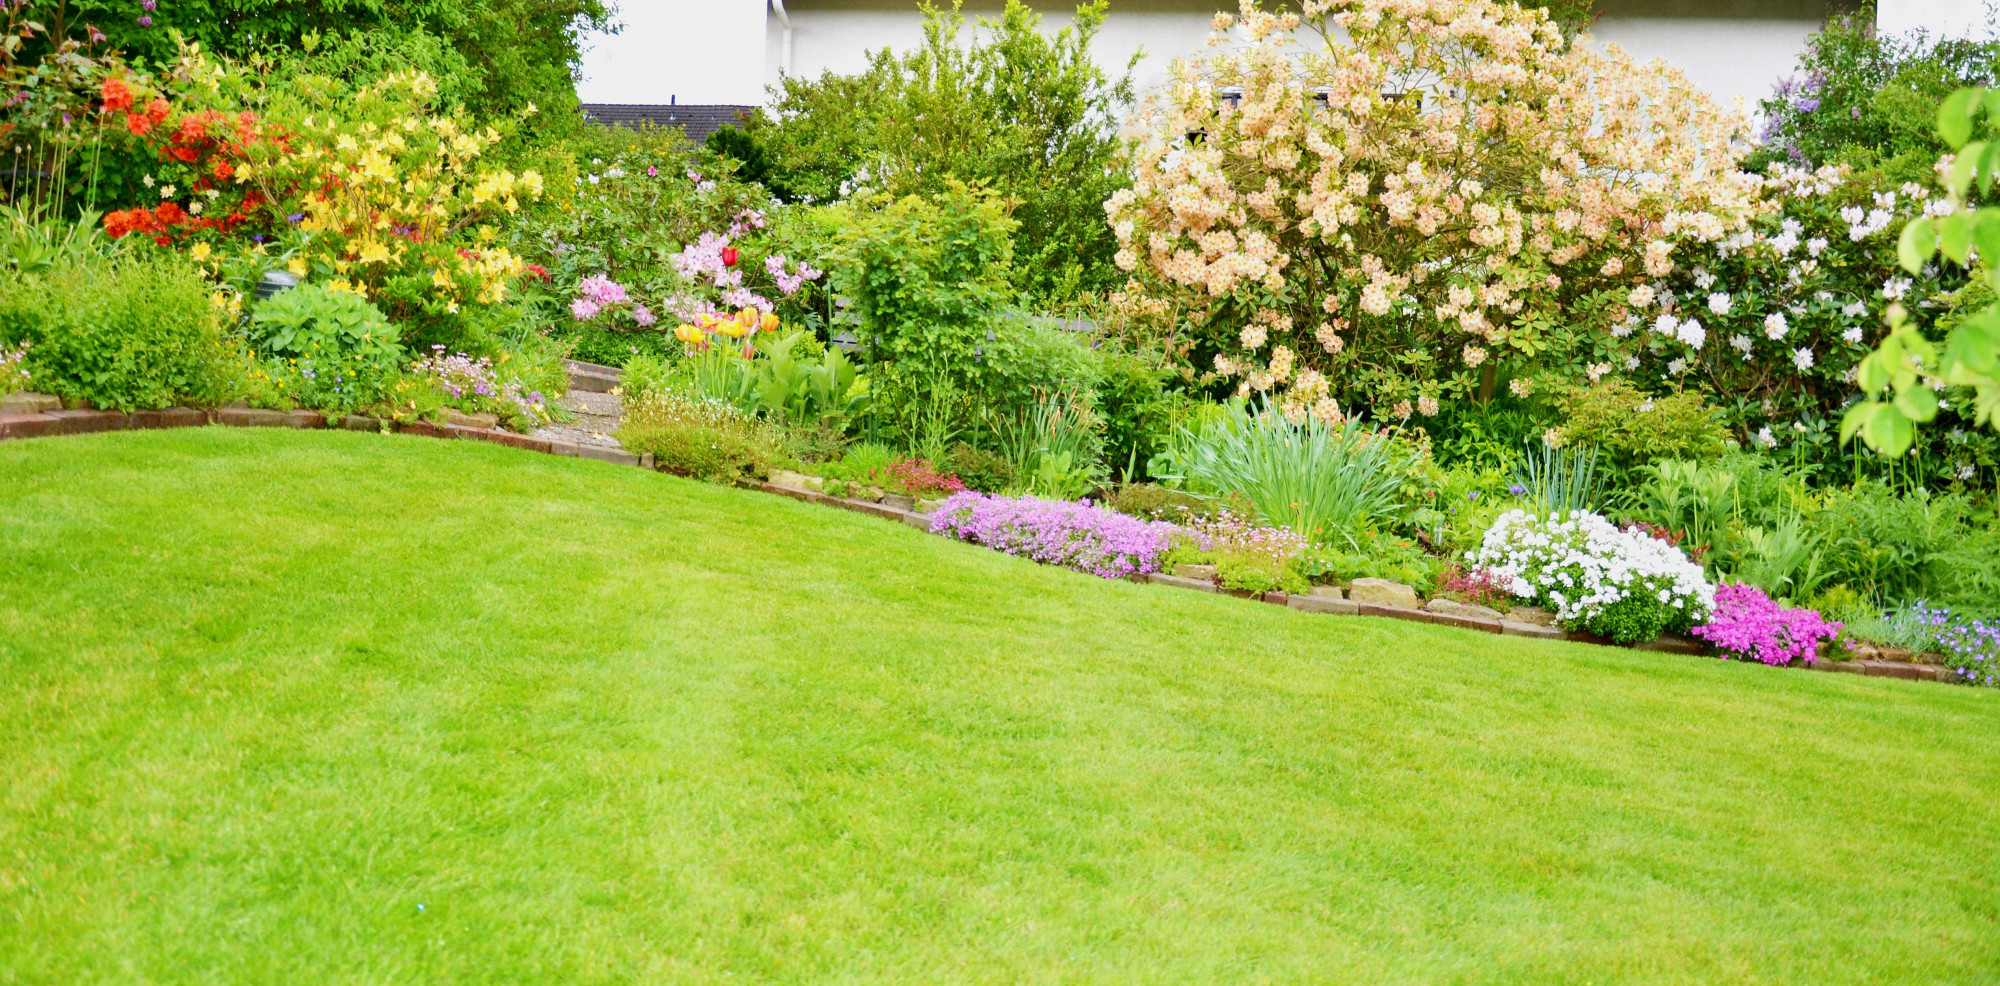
(1955, 233)
(1916, 245)
(1989, 162)
(1986, 233)
(1855, 417)
(1954, 117)
(1919, 403)
(1871, 376)
(1963, 168)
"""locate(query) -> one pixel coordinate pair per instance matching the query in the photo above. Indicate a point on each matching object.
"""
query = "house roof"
(698, 121)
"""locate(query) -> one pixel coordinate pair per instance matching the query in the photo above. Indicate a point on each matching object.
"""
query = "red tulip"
(728, 256)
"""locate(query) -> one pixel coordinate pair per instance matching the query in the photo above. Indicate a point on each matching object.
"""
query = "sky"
(651, 61)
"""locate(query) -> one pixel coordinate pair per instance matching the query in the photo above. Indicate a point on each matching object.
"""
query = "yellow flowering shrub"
(1445, 187)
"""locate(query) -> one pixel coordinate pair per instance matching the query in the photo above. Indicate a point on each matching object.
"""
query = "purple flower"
(583, 308)
(145, 21)
(1517, 489)
(295, 217)
(643, 316)
(149, 5)
(602, 290)
(1078, 535)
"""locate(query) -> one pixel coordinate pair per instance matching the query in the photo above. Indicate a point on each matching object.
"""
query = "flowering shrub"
(1748, 624)
(1972, 650)
(14, 376)
(1478, 586)
(1619, 584)
(701, 438)
(376, 192)
(473, 385)
(1774, 318)
(917, 477)
(1452, 184)
(1077, 535)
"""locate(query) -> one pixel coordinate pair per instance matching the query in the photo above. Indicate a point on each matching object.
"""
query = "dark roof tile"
(698, 121)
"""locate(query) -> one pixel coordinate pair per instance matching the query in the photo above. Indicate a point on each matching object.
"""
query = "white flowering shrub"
(1625, 585)
(1773, 318)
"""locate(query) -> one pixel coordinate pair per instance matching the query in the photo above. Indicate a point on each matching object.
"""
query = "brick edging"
(49, 424)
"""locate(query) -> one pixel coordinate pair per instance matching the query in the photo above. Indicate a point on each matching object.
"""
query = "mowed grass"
(339, 708)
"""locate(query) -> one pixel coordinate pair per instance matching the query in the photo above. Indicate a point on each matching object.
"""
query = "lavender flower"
(1078, 535)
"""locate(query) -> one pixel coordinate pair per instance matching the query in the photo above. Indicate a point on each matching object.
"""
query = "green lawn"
(326, 707)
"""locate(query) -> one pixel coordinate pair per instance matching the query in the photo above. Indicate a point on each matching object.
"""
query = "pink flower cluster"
(792, 282)
(597, 293)
(13, 376)
(1749, 624)
(1078, 535)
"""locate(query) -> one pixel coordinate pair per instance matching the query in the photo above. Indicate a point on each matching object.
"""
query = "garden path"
(597, 410)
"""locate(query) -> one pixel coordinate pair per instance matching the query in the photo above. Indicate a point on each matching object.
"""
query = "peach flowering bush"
(1443, 188)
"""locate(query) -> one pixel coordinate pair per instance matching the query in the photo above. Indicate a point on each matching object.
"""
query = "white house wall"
(1725, 57)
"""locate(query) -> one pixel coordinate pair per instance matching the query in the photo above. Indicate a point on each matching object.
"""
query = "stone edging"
(48, 424)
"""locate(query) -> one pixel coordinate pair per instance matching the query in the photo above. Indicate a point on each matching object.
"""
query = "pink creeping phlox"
(463, 377)
(1747, 623)
(1077, 535)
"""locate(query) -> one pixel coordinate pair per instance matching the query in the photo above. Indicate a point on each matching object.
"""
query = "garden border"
(56, 423)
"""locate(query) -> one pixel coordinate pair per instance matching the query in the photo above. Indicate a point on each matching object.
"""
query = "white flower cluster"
(1580, 565)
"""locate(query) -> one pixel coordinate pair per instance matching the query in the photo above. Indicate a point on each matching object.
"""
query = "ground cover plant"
(642, 729)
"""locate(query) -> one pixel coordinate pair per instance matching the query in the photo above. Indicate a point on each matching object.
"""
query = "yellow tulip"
(770, 322)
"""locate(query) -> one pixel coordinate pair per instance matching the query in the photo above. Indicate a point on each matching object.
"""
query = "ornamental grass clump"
(1078, 535)
(1747, 624)
(1625, 585)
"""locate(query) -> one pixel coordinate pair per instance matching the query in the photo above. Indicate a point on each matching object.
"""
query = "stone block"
(592, 377)
(1668, 644)
(1516, 628)
(88, 422)
(1323, 604)
(795, 480)
(303, 418)
(1898, 669)
(1406, 613)
(499, 436)
(1277, 598)
(29, 402)
(1195, 571)
(1328, 592)
(918, 521)
(361, 422)
(899, 502)
(251, 417)
(1452, 607)
(805, 496)
(483, 420)
(645, 459)
(570, 449)
(171, 417)
(1464, 622)
(1849, 667)
(617, 456)
(1532, 614)
(1198, 585)
(1382, 592)
(428, 429)
(872, 509)
(928, 506)
(28, 426)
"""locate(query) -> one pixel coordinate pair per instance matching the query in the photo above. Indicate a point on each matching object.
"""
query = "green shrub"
(705, 440)
(978, 468)
(1632, 427)
(646, 375)
(311, 319)
(1258, 573)
(926, 275)
(134, 333)
(1139, 411)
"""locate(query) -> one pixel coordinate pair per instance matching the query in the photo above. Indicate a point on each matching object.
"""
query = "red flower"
(158, 109)
(536, 272)
(223, 170)
(138, 123)
(728, 256)
(184, 154)
(117, 95)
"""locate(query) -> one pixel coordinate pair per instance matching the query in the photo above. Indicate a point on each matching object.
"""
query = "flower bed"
(1078, 535)
(1625, 585)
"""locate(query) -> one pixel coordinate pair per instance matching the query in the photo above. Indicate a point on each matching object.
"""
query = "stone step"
(592, 377)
